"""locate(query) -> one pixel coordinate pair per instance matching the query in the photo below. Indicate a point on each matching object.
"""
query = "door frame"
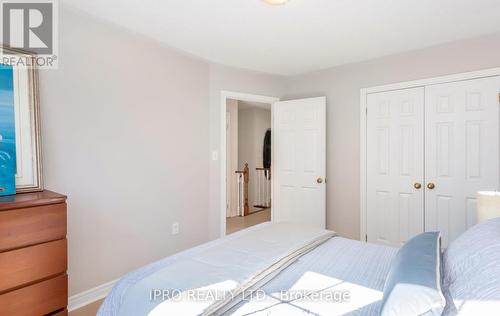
(490, 72)
(240, 97)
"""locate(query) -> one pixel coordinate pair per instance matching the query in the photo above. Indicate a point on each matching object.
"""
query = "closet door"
(395, 166)
(462, 152)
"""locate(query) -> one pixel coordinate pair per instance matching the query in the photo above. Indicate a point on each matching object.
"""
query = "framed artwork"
(24, 98)
(7, 132)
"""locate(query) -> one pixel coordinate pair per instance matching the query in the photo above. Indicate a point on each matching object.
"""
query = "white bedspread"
(337, 266)
(197, 281)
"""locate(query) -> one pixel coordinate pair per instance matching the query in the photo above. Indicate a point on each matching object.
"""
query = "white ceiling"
(302, 36)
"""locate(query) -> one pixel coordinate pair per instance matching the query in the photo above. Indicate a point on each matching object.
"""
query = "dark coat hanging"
(266, 161)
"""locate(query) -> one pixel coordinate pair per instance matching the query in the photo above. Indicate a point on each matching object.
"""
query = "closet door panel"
(395, 163)
(461, 152)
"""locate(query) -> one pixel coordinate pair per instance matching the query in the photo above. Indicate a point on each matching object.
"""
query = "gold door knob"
(417, 186)
(319, 180)
(431, 186)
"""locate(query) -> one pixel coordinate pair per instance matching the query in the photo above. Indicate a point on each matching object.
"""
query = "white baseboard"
(89, 296)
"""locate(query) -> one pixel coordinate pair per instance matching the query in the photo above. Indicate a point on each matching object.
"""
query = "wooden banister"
(246, 180)
(246, 176)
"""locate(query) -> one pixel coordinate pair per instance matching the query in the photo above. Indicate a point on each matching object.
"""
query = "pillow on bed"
(413, 285)
(472, 271)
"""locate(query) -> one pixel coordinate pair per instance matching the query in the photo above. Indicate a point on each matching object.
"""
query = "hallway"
(234, 224)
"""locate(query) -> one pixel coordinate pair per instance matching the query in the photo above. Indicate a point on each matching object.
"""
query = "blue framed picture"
(7, 132)
(20, 149)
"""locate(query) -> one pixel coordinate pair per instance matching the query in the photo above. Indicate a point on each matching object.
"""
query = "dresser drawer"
(30, 264)
(33, 225)
(37, 299)
(63, 312)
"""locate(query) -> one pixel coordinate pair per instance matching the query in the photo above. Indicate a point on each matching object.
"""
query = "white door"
(462, 152)
(299, 161)
(395, 166)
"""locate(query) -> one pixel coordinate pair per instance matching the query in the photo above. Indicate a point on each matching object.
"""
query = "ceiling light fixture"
(276, 2)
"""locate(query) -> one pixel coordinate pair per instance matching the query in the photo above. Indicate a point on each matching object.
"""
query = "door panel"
(299, 160)
(395, 162)
(462, 152)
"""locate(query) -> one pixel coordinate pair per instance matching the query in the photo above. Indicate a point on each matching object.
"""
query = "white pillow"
(472, 271)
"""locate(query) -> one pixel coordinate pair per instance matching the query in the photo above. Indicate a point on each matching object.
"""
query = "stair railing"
(263, 188)
(243, 177)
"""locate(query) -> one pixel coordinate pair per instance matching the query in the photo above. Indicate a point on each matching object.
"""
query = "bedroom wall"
(128, 128)
(342, 87)
(124, 131)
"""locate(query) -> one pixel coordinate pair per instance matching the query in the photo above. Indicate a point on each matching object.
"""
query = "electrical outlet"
(175, 228)
(215, 155)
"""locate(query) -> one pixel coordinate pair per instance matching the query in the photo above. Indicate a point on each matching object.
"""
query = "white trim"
(273, 150)
(436, 80)
(398, 86)
(90, 296)
(222, 154)
(362, 165)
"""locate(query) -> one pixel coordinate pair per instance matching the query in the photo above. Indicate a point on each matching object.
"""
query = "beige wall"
(124, 131)
(253, 123)
(342, 86)
(128, 127)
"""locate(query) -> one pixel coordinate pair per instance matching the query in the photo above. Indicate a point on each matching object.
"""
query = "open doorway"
(248, 161)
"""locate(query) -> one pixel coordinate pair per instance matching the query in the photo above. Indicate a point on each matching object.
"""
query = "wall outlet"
(175, 228)
(215, 155)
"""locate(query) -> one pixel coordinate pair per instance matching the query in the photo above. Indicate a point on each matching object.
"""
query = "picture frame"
(27, 120)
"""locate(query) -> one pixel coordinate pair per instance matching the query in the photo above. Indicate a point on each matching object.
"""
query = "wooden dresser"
(33, 254)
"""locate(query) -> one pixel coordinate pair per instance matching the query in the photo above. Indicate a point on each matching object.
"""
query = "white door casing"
(462, 152)
(299, 161)
(395, 165)
(231, 162)
(228, 165)
(224, 97)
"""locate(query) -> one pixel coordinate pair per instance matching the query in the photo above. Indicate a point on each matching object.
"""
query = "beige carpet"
(89, 310)
(234, 224)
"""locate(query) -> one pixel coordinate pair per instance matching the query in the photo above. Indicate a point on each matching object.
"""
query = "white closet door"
(462, 152)
(395, 166)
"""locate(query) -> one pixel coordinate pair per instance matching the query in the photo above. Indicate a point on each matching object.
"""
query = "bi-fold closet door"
(429, 150)
(395, 165)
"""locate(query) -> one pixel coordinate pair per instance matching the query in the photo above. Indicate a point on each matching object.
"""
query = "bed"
(285, 269)
(337, 266)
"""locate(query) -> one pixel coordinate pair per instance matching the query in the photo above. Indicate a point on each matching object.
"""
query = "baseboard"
(90, 296)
